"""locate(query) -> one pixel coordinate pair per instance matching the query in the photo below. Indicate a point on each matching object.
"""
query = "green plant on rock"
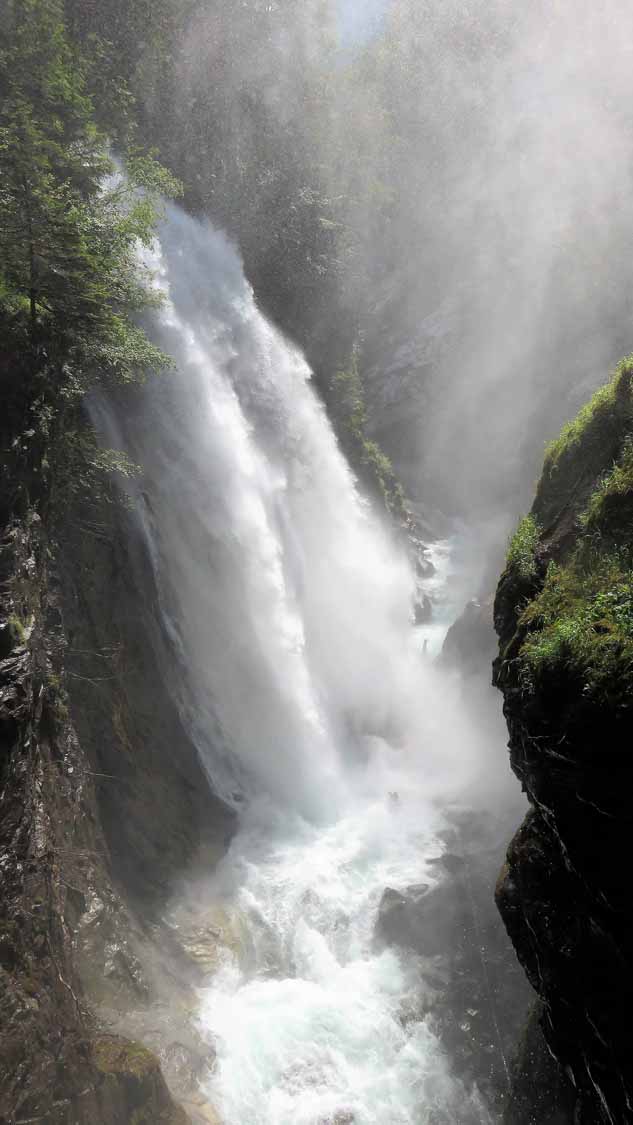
(71, 283)
(604, 411)
(57, 698)
(581, 624)
(610, 508)
(80, 466)
(521, 554)
(17, 630)
(346, 402)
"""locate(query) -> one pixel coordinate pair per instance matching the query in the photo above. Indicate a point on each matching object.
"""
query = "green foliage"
(346, 402)
(71, 223)
(578, 628)
(581, 624)
(17, 629)
(599, 413)
(68, 236)
(521, 555)
(610, 508)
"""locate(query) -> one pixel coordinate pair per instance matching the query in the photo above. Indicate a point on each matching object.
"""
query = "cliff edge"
(564, 616)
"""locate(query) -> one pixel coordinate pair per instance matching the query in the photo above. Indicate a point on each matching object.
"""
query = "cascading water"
(289, 613)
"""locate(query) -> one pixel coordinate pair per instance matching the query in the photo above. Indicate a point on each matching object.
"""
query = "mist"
(293, 295)
(359, 21)
(467, 162)
(527, 129)
(439, 193)
(319, 711)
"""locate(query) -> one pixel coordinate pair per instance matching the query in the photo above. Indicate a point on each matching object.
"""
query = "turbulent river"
(296, 668)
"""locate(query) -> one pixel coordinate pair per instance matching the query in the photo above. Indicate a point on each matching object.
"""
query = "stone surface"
(53, 860)
(476, 996)
(470, 643)
(564, 892)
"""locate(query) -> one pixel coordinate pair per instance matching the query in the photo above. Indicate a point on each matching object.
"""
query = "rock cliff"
(564, 615)
(104, 805)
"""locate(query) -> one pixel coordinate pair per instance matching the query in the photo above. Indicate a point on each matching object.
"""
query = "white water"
(301, 679)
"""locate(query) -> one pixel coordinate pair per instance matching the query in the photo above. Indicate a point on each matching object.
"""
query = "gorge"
(295, 667)
(276, 382)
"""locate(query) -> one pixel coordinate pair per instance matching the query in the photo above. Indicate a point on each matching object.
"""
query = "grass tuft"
(599, 412)
(521, 556)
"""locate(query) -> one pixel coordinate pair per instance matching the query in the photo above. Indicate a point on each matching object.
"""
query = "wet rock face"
(130, 1086)
(155, 804)
(53, 863)
(470, 641)
(479, 999)
(564, 897)
(565, 890)
(400, 921)
(540, 1092)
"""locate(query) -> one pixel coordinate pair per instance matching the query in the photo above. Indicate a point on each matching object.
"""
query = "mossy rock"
(113, 1055)
(586, 448)
(133, 1088)
(564, 608)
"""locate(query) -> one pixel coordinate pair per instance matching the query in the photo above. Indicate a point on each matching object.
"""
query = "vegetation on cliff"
(521, 558)
(70, 282)
(569, 569)
(256, 109)
(70, 293)
(565, 668)
(346, 405)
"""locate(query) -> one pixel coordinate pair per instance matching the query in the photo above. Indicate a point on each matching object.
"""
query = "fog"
(359, 20)
(289, 647)
(476, 154)
(442, 190)
(541, 232)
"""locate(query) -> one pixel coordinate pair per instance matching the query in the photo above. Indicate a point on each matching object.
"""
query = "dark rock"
(470, 642)
(102, 806)
(453, 864)
(564, 893)
(540, 1093)
(419, 919)
(52, 857)
(480, 998)
(130, 1086)
(155, 805)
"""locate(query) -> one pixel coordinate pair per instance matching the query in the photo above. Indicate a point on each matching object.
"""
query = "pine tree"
(68, 235)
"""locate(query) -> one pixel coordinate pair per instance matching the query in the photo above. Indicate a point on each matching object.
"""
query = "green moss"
(346, 405)
(576, 630)
(121, 1056)
(605, 408)
(18, 630)
(147, 1116)
(581, 625)
(521, 556)
(610, 508)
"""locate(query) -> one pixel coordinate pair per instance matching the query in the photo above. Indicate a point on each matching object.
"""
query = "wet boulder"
(470, 642)
(420, 918)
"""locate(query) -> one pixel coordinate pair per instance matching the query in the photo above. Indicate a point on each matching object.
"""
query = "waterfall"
(288, 608)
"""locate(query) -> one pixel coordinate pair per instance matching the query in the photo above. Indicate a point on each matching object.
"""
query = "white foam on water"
(288, 609)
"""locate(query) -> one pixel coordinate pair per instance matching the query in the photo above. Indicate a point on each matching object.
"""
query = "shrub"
(521, 556)
(606, 405)
(610, 506)
(581, 623)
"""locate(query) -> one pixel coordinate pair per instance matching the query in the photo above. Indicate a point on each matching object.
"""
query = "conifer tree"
(69, 227)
